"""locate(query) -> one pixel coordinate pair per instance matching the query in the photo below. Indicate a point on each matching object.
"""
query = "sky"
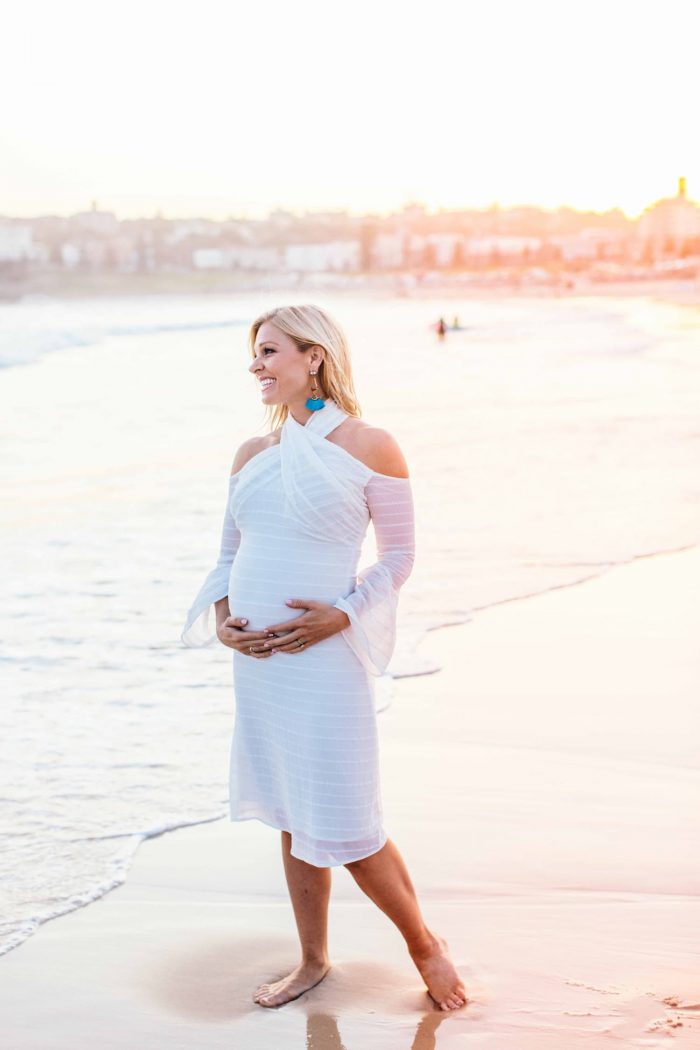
(230, 109)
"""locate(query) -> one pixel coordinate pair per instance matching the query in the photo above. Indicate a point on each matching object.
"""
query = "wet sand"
(543, 788)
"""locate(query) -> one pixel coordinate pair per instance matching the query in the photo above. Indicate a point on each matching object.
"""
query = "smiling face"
(281, 369)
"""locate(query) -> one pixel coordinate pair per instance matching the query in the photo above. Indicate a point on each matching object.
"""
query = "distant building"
(387, 251)
(313, 258)
(415, 249)
(124, 254)
(210, 259)
(443, 247)
(574, 247)
(249, 258)
(94, 253)
(192, 228)
(501, 244)
(70, 255)
(236, 258)
(99, 223)
(333, 243)
(16, 242)
(670, 223)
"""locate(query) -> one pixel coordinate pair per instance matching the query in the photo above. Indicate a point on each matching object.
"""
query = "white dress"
(304, 754)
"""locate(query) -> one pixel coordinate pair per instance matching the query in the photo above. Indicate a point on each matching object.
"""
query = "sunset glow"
(215, 109)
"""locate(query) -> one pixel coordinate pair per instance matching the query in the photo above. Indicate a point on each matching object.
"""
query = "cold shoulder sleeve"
(197, 631)
(372, 605)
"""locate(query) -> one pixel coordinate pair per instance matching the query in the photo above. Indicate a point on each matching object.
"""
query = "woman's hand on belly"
(321, 620)
(231, 633)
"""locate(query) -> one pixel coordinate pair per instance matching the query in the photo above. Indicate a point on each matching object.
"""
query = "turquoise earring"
(314, 402)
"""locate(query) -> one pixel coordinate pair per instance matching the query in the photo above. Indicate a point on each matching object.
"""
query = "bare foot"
(303, 977)
(440, 974)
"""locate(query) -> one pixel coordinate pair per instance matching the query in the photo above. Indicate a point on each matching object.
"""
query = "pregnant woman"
(309, 634)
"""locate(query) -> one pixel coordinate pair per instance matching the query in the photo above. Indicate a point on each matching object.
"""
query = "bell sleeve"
(373, 604)
(197, 632)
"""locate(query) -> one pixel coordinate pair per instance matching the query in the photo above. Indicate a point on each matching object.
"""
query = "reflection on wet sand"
(322, 1032)
(214, 981)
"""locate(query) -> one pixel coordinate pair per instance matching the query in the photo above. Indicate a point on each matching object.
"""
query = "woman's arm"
(372, 605)
(197, 632)
(222, 611)
(214, 591)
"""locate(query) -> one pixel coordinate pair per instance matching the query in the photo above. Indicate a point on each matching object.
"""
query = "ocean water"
(548, 440)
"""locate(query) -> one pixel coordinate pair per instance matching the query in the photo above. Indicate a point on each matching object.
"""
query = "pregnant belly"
(259, 592)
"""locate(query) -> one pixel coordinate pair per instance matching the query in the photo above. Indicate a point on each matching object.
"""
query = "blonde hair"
(309, 326)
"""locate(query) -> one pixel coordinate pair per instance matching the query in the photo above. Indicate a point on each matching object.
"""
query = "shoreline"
(684, 291)
(120, 872)
(196, 922)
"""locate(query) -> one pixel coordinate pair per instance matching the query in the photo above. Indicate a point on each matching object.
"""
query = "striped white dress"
(304, 755)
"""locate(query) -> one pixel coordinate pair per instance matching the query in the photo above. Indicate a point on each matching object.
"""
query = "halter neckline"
(322, 421)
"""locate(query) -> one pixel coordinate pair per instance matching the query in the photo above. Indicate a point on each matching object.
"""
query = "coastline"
(59, 286)
(564, 771)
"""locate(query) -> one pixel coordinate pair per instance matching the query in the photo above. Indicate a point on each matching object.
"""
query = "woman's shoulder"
(374, 446)
(252, 446)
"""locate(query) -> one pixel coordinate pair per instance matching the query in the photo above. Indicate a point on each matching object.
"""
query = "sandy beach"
(504, 230)
(543, 788)
(62, 285)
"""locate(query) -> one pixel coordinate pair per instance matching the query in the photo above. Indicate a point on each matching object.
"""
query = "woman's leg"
(383, 876)
(309, 889)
